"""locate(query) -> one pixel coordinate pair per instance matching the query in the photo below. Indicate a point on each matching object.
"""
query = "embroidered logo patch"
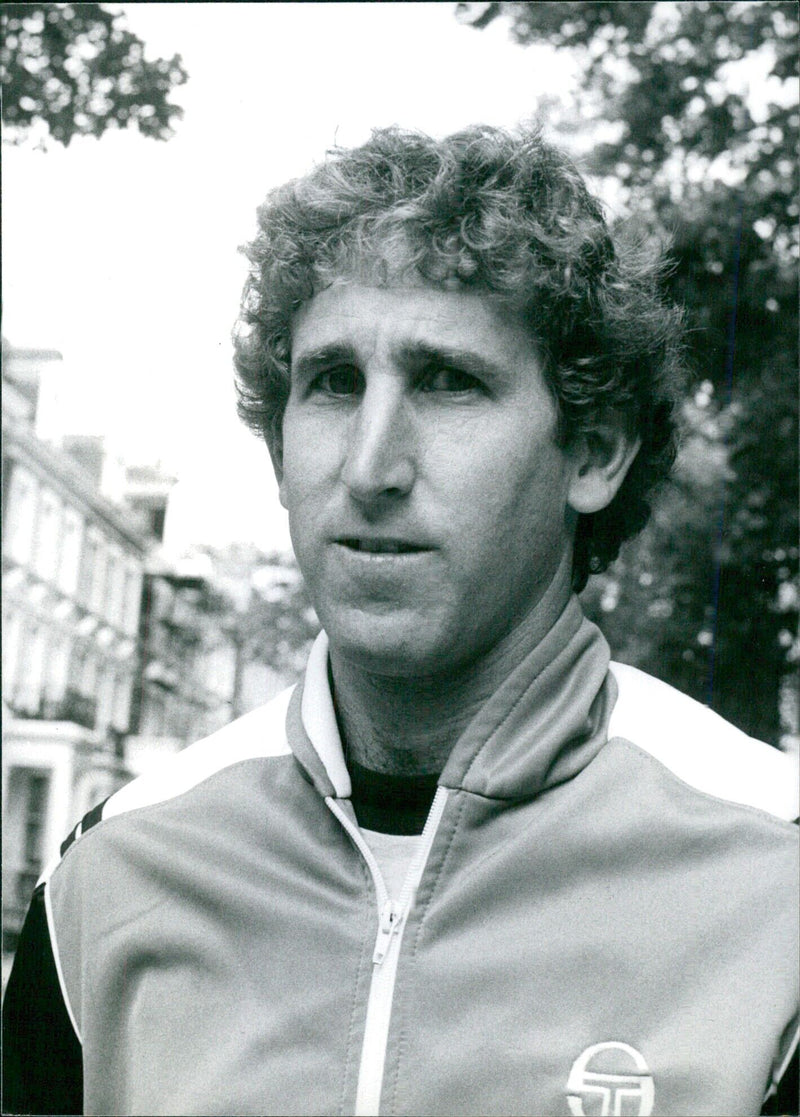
(610, 1080)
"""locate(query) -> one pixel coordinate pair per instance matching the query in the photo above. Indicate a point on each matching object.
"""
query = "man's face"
(427, 497)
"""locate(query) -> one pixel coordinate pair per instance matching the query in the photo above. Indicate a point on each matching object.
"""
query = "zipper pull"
(389, 924)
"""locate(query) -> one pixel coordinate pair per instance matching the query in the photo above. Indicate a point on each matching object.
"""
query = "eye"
(342, 380)
(443, 378)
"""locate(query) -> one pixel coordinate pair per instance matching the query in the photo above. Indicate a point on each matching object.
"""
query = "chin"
(385, 645)
(393, 659)
(398, 651)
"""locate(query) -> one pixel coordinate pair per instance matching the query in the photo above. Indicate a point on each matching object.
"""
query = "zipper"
(388, 925)
(391, 921)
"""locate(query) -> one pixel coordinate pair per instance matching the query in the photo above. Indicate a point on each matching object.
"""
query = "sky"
(122, 252)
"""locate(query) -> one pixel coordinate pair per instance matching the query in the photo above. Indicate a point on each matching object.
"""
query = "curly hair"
(489, 210)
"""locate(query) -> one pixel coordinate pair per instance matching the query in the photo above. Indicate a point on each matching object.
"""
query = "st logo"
(610, 1080)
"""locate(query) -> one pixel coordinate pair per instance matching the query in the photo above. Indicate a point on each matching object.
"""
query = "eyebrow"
(313, 361)
(418, 354)
(413, 355)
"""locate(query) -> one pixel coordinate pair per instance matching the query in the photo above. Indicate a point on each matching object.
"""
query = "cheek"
(309, 457)
(520, 479)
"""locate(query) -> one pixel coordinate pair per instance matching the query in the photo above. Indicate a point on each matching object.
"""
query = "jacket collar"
(542, 726)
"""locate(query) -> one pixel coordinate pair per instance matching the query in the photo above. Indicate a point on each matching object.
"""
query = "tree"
(75, 70)
(278, 625)
(707, 597)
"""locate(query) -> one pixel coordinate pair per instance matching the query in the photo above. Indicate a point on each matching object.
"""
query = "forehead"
(383, 318)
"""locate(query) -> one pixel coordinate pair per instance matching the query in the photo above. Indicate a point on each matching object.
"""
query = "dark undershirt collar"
(390, 804)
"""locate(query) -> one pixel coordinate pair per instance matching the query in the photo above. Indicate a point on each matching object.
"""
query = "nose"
(379, 462)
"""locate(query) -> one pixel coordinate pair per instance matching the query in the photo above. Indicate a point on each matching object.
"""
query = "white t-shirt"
(394, 854)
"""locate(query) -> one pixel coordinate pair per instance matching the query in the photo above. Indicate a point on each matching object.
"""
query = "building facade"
(115, 653)
(184, 688)
(73, 571)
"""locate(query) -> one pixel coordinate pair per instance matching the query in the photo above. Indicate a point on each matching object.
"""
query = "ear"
(275, 447)
(600, 462)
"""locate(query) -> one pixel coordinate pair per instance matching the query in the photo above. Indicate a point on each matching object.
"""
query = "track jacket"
(601, 919)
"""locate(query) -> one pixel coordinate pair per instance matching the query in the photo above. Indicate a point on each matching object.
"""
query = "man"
(465, 866)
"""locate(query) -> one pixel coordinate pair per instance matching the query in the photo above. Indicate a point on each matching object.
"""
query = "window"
(122, 700)
(24, 834)
(48, 531)
(34, 823)
(70, 552)
(105, 696)
(35, 817)
(87, 568)
(12, 631)
(20, 515)
(132, 594)
(79, 652)
(57, 670)
(97, 597)
(154, 713)
(115, 588)
(8, 469)
(87, 681)
(30, 670)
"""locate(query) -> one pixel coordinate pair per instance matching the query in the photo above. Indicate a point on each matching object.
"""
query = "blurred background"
(150, 594)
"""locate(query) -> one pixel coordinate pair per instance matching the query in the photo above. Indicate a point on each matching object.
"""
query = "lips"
(380, 546)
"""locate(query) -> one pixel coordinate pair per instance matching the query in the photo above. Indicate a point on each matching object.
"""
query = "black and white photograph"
(400, 654)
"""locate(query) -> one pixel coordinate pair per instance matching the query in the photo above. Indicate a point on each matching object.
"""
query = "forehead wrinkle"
(349, 339)
(492, 337)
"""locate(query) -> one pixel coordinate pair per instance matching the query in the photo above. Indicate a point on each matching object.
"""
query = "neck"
(409, 725)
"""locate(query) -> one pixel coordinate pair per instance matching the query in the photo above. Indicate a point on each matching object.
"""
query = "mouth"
(381, 546)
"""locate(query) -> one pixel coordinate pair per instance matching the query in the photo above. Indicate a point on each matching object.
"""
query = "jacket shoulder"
(257, 735)
(701, 748)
